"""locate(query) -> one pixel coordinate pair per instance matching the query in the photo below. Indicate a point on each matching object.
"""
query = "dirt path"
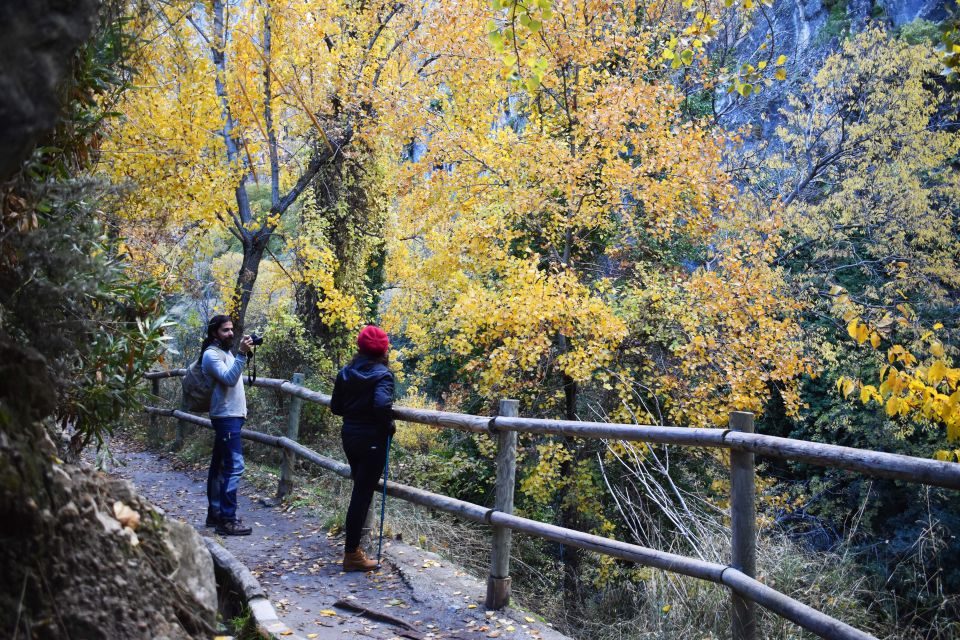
(298, 564)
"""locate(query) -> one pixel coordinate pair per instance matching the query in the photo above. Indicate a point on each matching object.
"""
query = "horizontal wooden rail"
(866, 461)
(169, 373)
(873, 463)
(779, 603)
(741, 441)
(747, 587)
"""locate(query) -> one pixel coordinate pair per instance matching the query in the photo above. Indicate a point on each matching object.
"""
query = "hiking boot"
(356, 561)
(212, 521)
(233, 528)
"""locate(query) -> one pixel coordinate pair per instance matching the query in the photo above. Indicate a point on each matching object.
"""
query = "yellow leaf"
(893, 405)
(943, 456)
(852, 328)
(863, 332)
(887, 385)
(781, 74)
(875, 339)
(938, 326)
(847, 386)
(329, 613)
(936, 372)
(885, 321)
(867, 392)
(936, 349)
(666, 608)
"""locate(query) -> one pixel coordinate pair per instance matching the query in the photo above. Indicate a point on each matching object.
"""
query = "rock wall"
(75, 564)
(81, 555)
(807, 31)
(900, 12)
(38, 43)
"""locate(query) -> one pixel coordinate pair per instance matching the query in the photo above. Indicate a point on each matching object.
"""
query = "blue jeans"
(226, 467)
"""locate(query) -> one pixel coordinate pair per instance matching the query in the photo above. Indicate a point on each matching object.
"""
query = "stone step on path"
(298, 564)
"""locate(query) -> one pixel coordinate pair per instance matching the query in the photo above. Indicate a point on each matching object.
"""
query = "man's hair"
(213, 325)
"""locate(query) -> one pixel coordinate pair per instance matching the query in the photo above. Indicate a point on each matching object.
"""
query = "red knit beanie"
(373, 341)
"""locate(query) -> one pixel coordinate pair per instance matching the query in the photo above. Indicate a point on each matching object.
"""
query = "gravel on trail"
(298, 564)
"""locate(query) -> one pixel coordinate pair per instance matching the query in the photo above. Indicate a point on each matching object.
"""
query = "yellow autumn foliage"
(872, 210)
(526, 227)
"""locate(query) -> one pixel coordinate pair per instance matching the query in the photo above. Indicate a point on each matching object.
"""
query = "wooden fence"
(740, 439)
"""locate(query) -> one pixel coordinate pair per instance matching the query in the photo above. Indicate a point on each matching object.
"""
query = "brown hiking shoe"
(356, 561)
(233, 528)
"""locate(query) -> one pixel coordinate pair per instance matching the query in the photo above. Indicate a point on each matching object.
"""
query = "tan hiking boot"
(356, 561)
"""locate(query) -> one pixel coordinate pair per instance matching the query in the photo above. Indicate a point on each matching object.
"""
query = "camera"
(255, 339)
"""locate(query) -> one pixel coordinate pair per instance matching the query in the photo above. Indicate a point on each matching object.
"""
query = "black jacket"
(363, 395)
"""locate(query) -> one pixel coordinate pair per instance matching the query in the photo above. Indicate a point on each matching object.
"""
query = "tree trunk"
(253, 249)
(569, 515)
(345, 199)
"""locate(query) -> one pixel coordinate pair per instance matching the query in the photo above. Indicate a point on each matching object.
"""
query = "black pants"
(366, 455)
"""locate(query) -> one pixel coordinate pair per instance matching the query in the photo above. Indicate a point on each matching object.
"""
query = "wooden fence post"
(153, 435)
(369, 531)
(743, 528)
(293, 432)
(498, 584)
(181, 429)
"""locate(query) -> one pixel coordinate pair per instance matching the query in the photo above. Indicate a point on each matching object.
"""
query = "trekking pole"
(383, 499)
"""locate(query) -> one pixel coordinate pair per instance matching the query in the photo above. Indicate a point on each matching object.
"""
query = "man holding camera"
(228, 411)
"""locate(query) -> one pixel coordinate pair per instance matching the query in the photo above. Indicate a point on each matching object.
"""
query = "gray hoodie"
(226, 371)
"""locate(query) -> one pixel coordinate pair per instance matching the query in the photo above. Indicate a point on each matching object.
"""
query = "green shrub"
(920, 31)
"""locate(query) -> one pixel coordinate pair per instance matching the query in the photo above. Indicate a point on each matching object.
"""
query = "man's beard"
(225, 343)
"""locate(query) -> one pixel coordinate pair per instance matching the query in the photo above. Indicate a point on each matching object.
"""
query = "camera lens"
(255, 339)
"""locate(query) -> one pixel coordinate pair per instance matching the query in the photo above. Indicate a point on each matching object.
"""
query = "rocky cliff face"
(901, 12)
(82, 556)
(807, 31)
(39, 39)
(803, 26)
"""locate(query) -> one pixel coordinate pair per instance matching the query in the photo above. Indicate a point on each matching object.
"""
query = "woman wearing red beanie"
(363, 395)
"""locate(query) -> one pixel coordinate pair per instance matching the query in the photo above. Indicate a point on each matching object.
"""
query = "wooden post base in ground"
(743, 529)
(498, 584)
(498, 592)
